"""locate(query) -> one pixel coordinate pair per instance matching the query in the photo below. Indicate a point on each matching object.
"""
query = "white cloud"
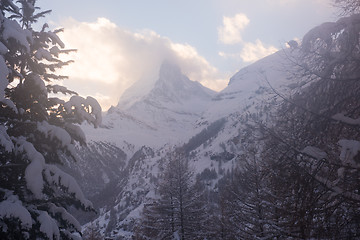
(110, 59)
(230, 32)
(254, 51)
(250, 52)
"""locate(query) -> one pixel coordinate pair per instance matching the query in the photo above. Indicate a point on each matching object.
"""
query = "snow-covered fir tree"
(35, 129)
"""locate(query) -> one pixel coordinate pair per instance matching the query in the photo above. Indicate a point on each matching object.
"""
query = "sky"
(120, 42)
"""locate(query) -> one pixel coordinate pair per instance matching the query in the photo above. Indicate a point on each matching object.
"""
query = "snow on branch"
(4, 71)
(76, 132)
(7, 102)
(12, 207)
(41, 54)
(85, 109)
(60, 134)
(58, 177)
(33, 172)
(344, 119)
(65, 215)
(12, 30)
(34, 80)
(314, 152)
(48, 225)
(59, 89)
(338, 190)
(349, 149)
(5, 139)
(55, 39)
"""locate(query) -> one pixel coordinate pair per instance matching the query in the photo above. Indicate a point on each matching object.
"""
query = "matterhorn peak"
(169, 70)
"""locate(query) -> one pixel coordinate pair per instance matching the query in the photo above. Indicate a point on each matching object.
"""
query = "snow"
(54, 132)
(54, 175)
(250, 86)
(55, 39)
(35, 79)
(174, 109)
(59, 89)
(48, 226)
(3, 49)
(344, 119)
(80, 104)
(55, 51)
(314, 152)
(65, 215)
(12, 30)
(349, 149)
(5, 140)
(43, 54)
(160, 113)
(11, 207)
(105, 177)
(33, 172)
(10, 104)
(4, 71)
(76, 132)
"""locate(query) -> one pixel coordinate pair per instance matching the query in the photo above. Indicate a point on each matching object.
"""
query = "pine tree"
(246, 202)
(35, 129)
(180, 211)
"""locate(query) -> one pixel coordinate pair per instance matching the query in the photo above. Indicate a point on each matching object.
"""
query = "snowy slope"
(251, 85)
(249, 97)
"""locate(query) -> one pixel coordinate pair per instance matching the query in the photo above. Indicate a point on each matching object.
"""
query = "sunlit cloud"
(110, 59)
(254, 51)
(250, 52)
(230, 32)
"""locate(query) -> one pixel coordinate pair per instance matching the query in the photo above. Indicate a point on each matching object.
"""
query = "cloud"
(110, 59)
(230, 32)
(250, 52)
(254, 51)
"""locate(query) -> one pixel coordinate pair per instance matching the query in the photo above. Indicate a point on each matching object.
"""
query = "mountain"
(173, 104)
(163, 114)
(212, 128)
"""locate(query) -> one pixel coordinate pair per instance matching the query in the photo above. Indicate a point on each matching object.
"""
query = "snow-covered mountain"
(156, 114)
(174, 110)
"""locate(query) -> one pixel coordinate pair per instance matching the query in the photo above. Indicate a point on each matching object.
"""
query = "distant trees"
(244, 209)
(35, 129)
(179, 212)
